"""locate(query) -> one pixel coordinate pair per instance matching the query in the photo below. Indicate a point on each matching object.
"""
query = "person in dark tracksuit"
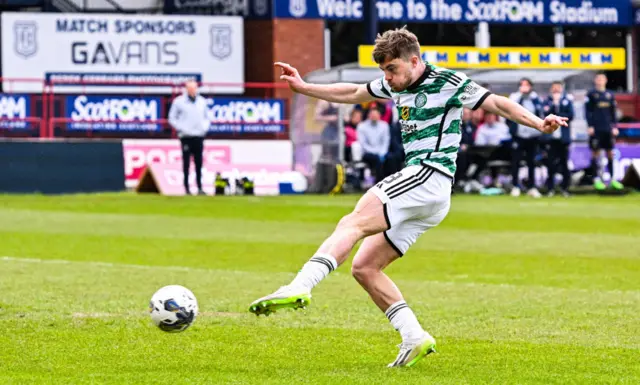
(395, 158)
(600, 106)
(557, 144)
(188, 116)
(468, 131)
(526, 140)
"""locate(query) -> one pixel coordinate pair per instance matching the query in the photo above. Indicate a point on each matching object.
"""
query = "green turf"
(516, 291)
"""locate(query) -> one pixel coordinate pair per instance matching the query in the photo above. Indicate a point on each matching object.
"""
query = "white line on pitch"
(126, 265)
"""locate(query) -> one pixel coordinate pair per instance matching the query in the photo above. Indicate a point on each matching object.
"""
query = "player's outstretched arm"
(347, 93)
(511, 110)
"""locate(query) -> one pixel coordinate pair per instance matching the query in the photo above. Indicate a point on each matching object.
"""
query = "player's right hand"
(552, 123)
(290, 75)
(590, 131)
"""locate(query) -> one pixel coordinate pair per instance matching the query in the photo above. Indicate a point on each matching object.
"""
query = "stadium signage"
(233, 157)
(260, 115)
(248, 9)
(624, 156)
(563, 12)
(514, 57)
(113, 113)
(106, 49)
(15, 106)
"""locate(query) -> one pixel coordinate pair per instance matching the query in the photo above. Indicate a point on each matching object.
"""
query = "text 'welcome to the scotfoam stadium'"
(502, 11)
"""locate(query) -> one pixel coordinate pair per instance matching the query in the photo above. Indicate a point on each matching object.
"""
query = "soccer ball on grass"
(173, 308)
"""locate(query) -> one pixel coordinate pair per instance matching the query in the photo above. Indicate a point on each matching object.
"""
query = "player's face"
(556, 88)
(525, 87)
(192, 88)
(600, 82)
(398, 72)
(356, 117)
(374, 114)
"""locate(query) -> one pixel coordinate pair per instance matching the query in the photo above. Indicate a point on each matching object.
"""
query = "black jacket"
(600, 108)
(564, 109)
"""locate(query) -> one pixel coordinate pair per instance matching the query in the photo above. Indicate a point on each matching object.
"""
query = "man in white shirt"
(375, 137)
(188, 116)
(491, 133)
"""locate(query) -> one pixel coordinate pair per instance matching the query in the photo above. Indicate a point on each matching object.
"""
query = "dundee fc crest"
(25, 38)
(298, 8)
(220, 41)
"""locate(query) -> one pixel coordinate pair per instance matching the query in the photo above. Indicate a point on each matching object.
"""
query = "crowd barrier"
(140, 111)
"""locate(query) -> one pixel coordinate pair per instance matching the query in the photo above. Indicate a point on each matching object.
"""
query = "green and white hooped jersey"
(430, 112)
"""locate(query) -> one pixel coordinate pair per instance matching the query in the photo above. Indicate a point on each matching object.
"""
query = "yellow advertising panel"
(514, 57)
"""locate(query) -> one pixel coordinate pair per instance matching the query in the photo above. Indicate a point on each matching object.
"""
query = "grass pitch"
(516, 291)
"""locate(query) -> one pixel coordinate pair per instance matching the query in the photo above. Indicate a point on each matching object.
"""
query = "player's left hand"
(615, 131)
(552, 123)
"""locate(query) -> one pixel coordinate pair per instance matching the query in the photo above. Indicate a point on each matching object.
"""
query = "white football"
(173, 308)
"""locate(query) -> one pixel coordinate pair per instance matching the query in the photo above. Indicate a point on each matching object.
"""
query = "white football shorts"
(415, 200)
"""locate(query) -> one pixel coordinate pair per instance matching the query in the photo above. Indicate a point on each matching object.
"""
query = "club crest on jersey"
(404, 113)
(421, 100)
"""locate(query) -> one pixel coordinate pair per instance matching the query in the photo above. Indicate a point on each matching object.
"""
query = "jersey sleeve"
(472, 95)
(379, 89)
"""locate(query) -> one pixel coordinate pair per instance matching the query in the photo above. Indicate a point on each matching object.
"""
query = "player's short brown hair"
(396, 43)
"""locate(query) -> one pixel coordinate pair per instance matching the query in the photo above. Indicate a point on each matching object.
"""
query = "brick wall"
(258, 50)
(299, 43)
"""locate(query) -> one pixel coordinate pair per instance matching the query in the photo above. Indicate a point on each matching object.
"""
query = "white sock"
(314, 271)
(403, 320)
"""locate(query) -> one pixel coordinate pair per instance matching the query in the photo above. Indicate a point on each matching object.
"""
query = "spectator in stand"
(468, 131)
(525, 139)
(328, 113)
(375, 138)
(557, 144)
(600, 108)
(395, 155)
(386, 111)
(188, 116)
(350, 133)
(491, 133)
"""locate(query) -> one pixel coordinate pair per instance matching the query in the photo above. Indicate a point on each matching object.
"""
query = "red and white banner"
(260, 159)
